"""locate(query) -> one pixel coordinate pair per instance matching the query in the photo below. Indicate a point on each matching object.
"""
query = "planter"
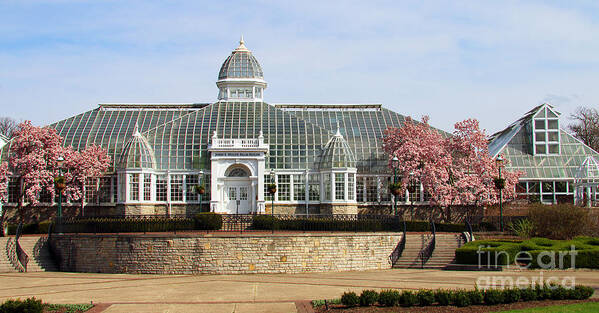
(200, 190)
(60, 186)
(499, 183)
(272, 190)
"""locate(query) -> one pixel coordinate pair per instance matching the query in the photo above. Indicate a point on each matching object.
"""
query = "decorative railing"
(469, 234)
(398, 251)
(22, 257)
(11, 250)
(237, 143)
(427, 252)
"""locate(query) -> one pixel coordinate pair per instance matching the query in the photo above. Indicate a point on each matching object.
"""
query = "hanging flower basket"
(60, 183)
(272, 188)
(395, 188)
(200, 190)
(499, 183)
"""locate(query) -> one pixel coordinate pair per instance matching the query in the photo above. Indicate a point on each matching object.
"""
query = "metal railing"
(21, 255)
(427, 252)
(398, 251)
(469, 232)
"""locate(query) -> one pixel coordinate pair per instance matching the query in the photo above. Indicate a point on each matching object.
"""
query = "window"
(104, 190)
(161, 185)
(546, 132)
(360, 189)
(351, 191)
(414, 190)
(147, 187)
(134, 187)
(339, 186)
(327, 186)
(13, 190)
(190, 182)
(299, 187)
(384, 189)
(314, 187)
(267, 181)
(91, 191)
(176, 187)
(243, 193)
(115, 188)
(371, 189)
(284, 188)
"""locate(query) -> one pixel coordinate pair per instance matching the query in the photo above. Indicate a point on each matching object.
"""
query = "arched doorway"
(238, 192)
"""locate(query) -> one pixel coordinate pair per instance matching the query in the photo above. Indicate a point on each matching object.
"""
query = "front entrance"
(237, 197)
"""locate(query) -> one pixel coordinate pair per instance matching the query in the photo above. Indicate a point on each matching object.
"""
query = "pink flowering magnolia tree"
(33, 156)
(4, 177)
(456, 170)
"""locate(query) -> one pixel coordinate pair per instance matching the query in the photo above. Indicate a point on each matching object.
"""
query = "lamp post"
(201, 189)
(395, 163)
(500, 184)
(272, 189)
(60, 185)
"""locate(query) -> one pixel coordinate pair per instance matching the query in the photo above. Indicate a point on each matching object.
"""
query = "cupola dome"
(240, 77)
(137, 152)
(337, 154)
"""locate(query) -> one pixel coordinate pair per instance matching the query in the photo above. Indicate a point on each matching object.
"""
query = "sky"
(450, 60)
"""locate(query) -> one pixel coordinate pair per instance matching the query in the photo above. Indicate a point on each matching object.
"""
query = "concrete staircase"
(444, 253)
(5, 265)
(40, 259)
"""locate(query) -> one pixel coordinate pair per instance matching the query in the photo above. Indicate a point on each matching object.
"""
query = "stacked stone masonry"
(224, 254)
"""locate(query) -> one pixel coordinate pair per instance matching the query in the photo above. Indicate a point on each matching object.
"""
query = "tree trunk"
(21, 214)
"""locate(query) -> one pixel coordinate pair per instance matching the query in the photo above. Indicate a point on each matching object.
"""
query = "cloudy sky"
(491, 60)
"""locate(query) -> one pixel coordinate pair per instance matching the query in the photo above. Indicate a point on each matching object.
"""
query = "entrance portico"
(237, 167)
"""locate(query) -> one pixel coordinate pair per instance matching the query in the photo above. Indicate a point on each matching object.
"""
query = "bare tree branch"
(586, 126)
(7, 126)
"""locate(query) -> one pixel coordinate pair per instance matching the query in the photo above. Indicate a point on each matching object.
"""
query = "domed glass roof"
(137, 152)
(337, 154)
(241, 64)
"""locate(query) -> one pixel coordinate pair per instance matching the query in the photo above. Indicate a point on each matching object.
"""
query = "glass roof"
(241, 64)
(137, 153)
(179, 134)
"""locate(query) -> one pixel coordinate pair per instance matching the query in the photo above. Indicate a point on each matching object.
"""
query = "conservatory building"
(173, 158)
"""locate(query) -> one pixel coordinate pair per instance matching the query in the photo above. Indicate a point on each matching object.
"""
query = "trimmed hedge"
(30, 305)
(202, 221)
(265, 222)
(34, 228)
(505, 252)
(463, 298)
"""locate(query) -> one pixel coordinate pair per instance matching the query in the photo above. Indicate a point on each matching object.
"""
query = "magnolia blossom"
(455, 170)
(34, 152)
(4, 176)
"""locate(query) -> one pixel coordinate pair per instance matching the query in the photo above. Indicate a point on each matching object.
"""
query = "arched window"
(238, 172)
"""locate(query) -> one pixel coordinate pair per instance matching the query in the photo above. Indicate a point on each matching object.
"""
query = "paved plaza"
(236, 293)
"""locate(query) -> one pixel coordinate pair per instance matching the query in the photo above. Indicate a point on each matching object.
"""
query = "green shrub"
(460, 298)
(528, 294)
(581, 292)
(30, 305)
(476, 296)
(493, 296)
(389, 297)
(559, 293)
(443, 297)
(350, 299)
(522, 228)
(485, 226)
(559, 221)
(368, 297)
(208, 221)
(543, 292)
(511, 295)
(408, 299)
(425, 297)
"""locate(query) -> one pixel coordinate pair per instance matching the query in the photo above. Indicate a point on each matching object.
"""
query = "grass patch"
(570, 308)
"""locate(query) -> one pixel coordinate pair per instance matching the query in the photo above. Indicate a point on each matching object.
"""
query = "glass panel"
(91, 191)
(299, 187)
(561, 186)
(161, 188)
(284, 188)
(176, 187)
(134, 187)
(541, 149)
(371, 189)
(552, 124)
(314, 185)
(232, 193)
(360, 189)
(327, 186)
(104, 190)
(533, 187)
(267, 195)
(243, 193)
(414, 189)
(553, 136)
(339, 186)
(384, 189)
(548, 187)
(147, 187)
(521, 187)
(351, 191)
(191, 181)
(553, 148)
(540, 136)
(539, 124)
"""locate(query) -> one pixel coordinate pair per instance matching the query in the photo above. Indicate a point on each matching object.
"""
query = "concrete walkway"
(237, 293)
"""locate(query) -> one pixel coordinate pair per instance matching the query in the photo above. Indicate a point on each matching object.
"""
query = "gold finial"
(241, 45)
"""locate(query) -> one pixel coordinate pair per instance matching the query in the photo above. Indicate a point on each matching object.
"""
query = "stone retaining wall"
(224, 254)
